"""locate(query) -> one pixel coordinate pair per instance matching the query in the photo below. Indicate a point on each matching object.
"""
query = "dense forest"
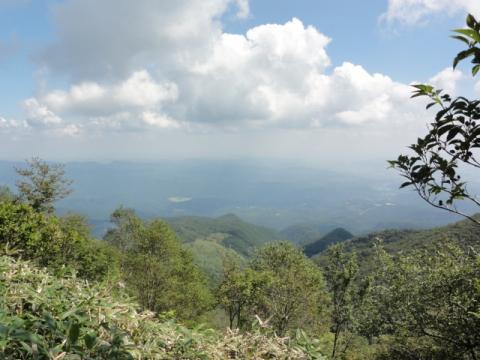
(203, 288)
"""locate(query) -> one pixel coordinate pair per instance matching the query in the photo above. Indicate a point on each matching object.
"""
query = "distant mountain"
(268, 193)
(305, 233)
(465, 233)
(335, 236)
(228, 230)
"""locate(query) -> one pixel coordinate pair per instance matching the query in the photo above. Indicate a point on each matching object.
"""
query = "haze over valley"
(279, 195)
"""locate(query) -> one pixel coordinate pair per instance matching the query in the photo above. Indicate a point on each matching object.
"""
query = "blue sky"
(122, 79)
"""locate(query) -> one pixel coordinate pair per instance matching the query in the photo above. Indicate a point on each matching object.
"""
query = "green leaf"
(90, 340)
(471, 22)
(461, 38)
(453, 133)
(472, 34)
(475, 70)
(405, 184)
(73, 333)
(462, 55)
(444, 129)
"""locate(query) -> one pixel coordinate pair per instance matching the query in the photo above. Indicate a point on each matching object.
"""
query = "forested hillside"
(228, 230)
(335, 236)
(463, 233)
(303, 234)
(143, 293)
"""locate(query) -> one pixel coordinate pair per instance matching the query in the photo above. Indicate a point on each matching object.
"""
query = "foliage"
(233, 232)
(301, 234)
(76, 222)
(280, 286)
(464, 234)
(6, 194)
(33, 235)
(45, 317)
(296, 294)
(155, 266)
(239, 293)
(42, 184)
(425, 304)
(341, 274)
(452, 141)
(209, 256)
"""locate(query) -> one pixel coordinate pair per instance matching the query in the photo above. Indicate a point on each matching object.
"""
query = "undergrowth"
(47, 317)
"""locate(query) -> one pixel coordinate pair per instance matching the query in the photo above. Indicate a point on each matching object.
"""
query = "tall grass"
(48, 317)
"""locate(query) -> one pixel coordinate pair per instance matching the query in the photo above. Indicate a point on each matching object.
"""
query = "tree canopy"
(42, 184)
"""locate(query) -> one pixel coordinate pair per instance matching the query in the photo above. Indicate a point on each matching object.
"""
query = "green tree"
(452, 141)
(156, 267)
(32, 235)
(424, 305)
(239, 292)
(127, 229)
(76, 222)
(295, 295)
(341, 274)
(6, 194)
(42, 184)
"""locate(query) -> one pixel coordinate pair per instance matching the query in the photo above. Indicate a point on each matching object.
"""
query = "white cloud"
(243, 9)
(159, 120)
(90, 98)
(11, 124)
(128, 105)
(412, 12)
(39, 115)
(276, 75)
(447, 80)
(109, 39)
(68, 130)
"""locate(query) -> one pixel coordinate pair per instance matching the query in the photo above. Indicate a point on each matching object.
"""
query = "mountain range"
(302, 202)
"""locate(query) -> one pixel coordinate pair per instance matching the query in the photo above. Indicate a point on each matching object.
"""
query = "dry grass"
(47, 317)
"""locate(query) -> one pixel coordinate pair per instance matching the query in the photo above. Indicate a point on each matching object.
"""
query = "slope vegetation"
(335, 236)
(465, 233)
(228, 230)
(48, 317)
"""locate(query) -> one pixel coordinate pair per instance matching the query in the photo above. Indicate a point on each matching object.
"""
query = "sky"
(323, 82)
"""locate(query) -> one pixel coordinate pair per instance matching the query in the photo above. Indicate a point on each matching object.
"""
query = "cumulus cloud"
(39, 115)
(137, 91)
(128, 104)
(11, 124)
(171, 66)
(121, 36)
(412, 12)
(243, 9)
(447, 80)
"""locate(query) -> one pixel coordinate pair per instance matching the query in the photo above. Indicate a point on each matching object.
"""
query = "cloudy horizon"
(222, 78)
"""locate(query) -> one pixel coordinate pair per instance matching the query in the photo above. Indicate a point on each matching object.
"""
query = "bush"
(425, 303)
(48, 317)
(157, 269)
(35, 236)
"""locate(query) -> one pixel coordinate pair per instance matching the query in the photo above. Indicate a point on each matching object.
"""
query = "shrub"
(35, 236)
(48, 317)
